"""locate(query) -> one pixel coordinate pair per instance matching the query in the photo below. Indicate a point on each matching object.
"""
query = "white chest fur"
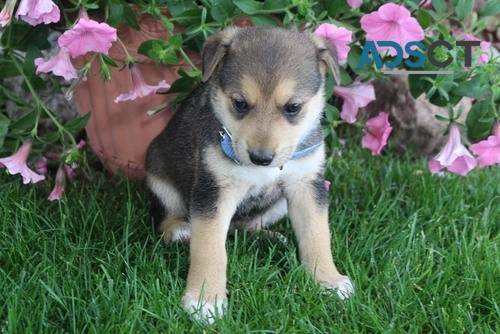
(254, 178)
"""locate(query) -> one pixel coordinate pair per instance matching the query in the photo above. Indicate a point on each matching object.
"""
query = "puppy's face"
(269, 89)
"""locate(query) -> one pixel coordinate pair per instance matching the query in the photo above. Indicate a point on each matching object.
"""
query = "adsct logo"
(401, 50)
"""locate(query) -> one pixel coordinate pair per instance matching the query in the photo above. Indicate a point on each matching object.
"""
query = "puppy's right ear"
(328, 54)
(214, 49)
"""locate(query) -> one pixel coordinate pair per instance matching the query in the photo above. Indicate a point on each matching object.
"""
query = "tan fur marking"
(171, 227)
(251, 91)
(310, 224)
(284, 91)
(207, 269)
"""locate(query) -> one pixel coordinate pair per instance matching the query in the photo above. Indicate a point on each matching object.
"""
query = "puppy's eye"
(240, 105)
(292, 109)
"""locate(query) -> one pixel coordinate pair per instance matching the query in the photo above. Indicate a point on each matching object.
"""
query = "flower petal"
(59, 65)
(88, 36)
(454, 156)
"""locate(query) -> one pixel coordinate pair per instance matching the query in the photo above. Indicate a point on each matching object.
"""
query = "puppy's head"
(268, 88)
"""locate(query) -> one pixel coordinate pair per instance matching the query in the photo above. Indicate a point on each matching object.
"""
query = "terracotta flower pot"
(119, 133)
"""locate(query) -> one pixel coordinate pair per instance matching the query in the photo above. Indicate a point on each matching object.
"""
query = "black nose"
(260, 158)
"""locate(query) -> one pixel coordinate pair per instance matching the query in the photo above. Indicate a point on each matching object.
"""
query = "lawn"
(421, 249)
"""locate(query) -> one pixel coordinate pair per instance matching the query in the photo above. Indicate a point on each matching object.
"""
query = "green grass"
(422, 251)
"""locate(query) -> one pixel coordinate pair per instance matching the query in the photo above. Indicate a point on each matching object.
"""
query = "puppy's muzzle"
(260, 158)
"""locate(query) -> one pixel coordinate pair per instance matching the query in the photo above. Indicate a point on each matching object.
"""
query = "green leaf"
(159, 51)
(182, 85)
(7, 69)
(222, 10)
(442, 101)
(21, 36)
(29, 60)
(424, 18)
(115, 13)
(345, 77)
(335, 7)
(169, 58)
(121, 12)
(463, 9)
(176, 8)
(178, 99)
(439, 6)
(36, 82)
(27, 122)
(418, 85)
(476, 87)
(263, 20)
(189, 74)
(480, 120)
(490, 7)
(353, 57)
(329, 84)
(129, 16)
(77, 124)
(50, 138)
(275, 4)
(442, 119)
(331, 113)
(109, 61)
(249, 7)
(4, 128)
(444, 30)
(175, 41)
(190, 16)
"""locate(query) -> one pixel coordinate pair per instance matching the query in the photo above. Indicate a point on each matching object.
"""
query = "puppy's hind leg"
(168, 211)
(260, 224)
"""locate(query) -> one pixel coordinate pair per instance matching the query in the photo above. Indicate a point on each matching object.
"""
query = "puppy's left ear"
(328, 54)
(214, 49)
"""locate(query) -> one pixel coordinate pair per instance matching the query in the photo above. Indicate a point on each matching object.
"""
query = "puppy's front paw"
(175, 229)
(342, 286)
(202, 310)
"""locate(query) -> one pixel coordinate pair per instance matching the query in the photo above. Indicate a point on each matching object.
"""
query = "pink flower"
(454, 156)
(6, 13)
(58, 190)
(354, 3)
(59, 65)
(391, 23)
(327, 185)
(70, 170)
(484, 57)
(80, 144)
(340, 37)
(36, 12)
(488, 151)
(88, 36)
(426, 4)
(41, 166)
(17, 164)
(355, 96)
(377, 131)
(140, 87)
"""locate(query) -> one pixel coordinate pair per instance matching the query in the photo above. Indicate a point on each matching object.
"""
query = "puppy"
(244, 150)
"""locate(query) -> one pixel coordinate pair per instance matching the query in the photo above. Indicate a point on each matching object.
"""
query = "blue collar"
(226, 144)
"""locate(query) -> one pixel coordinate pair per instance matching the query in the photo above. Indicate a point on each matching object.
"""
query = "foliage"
(21, 45)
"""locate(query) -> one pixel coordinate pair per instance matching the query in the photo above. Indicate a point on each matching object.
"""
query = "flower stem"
(128, 58)
(186, 58)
